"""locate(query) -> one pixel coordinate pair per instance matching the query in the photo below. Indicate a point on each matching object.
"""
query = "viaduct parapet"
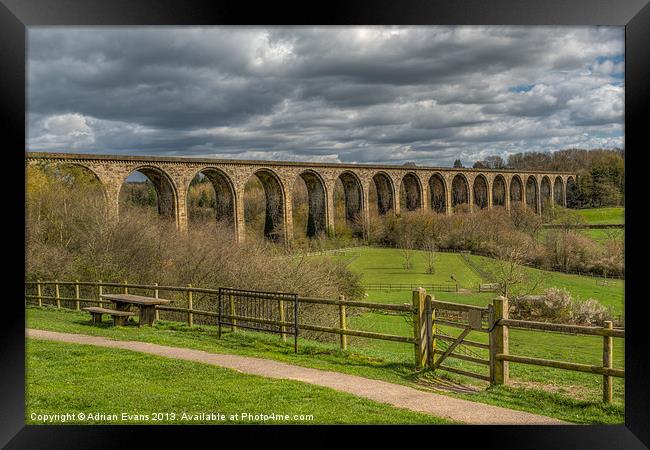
(440, 189)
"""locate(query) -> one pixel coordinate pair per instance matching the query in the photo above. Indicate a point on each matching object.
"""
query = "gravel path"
(381, 391)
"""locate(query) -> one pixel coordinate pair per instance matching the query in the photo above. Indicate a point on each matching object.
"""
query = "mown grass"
(602, 215)
(149, 389)
(609, 292)
(384, 265)
(372, 359)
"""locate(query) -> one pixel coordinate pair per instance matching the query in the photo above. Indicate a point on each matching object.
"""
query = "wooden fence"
(427, 316)
(497, 326)
(435, 287)
(74, 301)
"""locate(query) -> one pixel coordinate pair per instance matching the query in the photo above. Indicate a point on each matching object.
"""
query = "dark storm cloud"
(365, 94)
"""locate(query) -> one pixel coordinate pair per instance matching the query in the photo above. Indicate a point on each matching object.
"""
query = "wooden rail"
(562, 328)
(341, 303)
(436, 287)
(500, 356)
(588, 368)
(422, 309)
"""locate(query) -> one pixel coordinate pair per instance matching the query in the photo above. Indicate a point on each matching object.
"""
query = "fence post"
(190, 315)
(76, 293)
(343, 322)
(419, 328)
(233, 321)
(499, 369)
(99, 293)
(56, 294)
(283, 330)
(126, 289)
(39, 293)
(608, 349)
(155, 294)
(431, 330)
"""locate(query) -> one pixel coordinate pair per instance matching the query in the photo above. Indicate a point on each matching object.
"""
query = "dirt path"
(380, 391)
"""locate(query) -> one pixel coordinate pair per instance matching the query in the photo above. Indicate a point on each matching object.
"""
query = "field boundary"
(421, 313)
(400, 396)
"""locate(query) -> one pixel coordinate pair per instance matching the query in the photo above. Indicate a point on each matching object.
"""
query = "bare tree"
(510, 272)
(406, 244)
(429, 244)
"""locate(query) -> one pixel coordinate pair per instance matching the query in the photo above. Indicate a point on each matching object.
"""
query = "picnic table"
(146, 305)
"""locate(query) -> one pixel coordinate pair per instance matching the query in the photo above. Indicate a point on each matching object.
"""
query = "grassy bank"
(83, 379)
(384, 265)
(612, 215)
(377, 361)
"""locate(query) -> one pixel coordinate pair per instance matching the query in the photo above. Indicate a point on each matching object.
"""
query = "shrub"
(78, 242)
(557, 306)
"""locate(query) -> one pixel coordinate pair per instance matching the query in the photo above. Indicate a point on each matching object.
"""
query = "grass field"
(378, 360)
(566, 395)
(76, 378)
(384, 265)
(612, 215)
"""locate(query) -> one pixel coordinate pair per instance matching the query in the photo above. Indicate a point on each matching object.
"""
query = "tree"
(406, 243)
(429, 245)
(601, 172)
(458, 164)
(509, 270)
(480, 165)
(495, 162)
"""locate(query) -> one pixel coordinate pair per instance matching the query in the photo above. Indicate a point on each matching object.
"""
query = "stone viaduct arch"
(516, 191)
(166, 191)
(385, 192)
(570, 193)
(438, 193)
(224, 191)
(460, 194)
(546, 193)
(413, 191)
(480, 192)
(499, 192)
(532, 194)
(439, 189)
(558, 191)
(317, 199)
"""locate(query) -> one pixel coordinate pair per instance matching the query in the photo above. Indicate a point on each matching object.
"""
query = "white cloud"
(366, 94)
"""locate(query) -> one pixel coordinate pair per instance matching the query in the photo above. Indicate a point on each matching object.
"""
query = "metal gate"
(271, 312)
(446, 344)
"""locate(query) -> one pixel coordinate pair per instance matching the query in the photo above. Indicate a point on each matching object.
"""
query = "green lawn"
(72, 378)
(384, 265)
(381, 360)
(566, 395)
(602, 215)
(609, 292)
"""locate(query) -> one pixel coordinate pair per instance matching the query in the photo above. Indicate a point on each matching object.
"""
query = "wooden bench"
(119, 317)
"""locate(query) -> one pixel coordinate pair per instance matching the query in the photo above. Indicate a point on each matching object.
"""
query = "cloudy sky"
(337, 94)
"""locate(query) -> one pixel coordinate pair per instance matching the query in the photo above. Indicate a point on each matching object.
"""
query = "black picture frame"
(16, 15)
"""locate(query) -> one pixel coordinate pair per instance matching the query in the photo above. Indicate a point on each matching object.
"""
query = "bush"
(76, 241)
(487, 232)
(557, 306)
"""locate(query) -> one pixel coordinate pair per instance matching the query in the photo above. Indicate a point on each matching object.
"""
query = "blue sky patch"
(521, 88)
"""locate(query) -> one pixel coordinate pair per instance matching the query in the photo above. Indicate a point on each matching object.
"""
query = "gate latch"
(474, 317)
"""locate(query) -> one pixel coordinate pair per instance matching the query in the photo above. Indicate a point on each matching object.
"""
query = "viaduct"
(431, 188)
